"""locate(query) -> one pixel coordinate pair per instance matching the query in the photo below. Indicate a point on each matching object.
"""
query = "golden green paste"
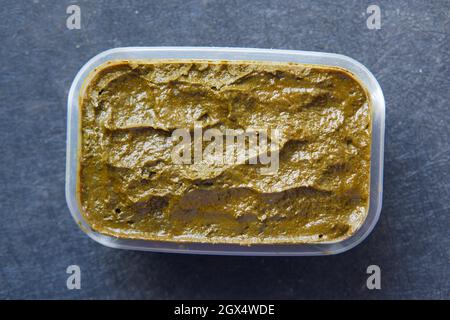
(129, 187)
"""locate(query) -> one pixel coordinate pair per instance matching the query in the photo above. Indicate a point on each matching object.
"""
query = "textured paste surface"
(130, 188)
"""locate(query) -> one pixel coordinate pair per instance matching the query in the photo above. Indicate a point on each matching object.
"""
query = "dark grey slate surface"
(40, 57)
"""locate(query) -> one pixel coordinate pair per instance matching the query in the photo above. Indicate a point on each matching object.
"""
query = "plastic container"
(211, 53)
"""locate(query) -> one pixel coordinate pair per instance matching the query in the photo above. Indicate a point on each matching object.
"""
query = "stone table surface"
(40, 57)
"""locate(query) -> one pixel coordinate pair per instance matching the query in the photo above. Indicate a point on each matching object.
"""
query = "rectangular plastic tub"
(211, 53)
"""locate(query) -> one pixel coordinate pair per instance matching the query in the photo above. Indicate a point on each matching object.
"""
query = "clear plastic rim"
(224, 53)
